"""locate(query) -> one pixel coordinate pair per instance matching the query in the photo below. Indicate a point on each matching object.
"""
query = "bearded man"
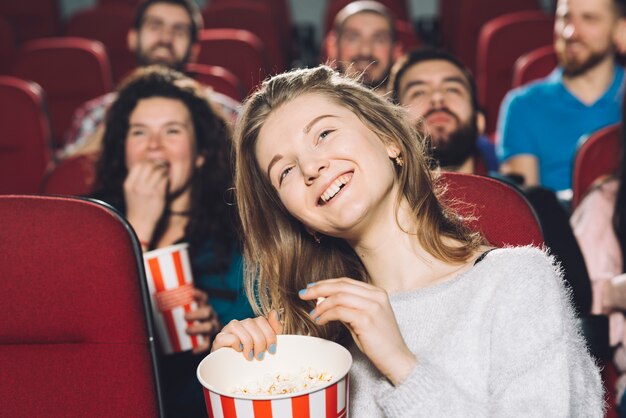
(439, 94)
(540, 124)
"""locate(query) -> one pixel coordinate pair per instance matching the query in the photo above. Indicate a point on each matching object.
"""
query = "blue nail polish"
(240, 347)
(261, 355)
(251, 355)
(302, 292)
(311, 284)
(272, 349)
(311, 313)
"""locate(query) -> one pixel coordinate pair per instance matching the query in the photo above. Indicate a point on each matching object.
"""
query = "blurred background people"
(165, 164)
(439, 94)
(540, 124)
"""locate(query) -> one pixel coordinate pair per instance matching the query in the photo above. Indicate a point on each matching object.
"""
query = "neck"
(593, 83)
(395, 260)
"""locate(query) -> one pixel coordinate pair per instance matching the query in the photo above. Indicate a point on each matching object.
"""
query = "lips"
(334, 188)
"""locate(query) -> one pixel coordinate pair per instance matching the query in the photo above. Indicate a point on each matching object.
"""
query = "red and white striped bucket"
(170, 282)
(226, 369)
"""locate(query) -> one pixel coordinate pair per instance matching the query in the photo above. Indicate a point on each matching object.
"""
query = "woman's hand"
(145, 191)
(205, 321)
(252, 336)
(367, 313)
(614, 294)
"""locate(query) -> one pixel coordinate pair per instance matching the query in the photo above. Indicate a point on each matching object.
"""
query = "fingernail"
(261, 355)
(311, 313)
(251, 355)
(311, 284)
(317, 319)
(302, 292)
(272, 349)
(240, 347)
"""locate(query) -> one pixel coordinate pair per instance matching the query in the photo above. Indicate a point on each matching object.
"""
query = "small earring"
(399, 161)
(316, 237)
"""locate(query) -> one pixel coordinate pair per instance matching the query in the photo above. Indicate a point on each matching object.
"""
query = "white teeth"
(334, 188)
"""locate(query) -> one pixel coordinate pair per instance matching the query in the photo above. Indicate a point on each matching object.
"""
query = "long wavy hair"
(280, 255)
(210, 217)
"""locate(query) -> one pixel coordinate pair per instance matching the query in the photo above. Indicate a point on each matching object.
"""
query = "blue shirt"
(545, 120)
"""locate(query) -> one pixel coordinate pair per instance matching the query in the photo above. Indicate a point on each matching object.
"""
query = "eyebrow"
(306, 130)
(454, 79)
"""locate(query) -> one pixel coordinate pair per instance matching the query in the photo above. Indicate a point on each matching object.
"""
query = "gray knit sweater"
(499, 340)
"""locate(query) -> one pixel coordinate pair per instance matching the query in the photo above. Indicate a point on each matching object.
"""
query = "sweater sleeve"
(539, 364)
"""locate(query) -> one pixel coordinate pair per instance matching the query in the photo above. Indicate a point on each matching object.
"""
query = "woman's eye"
(284, 174)
(173, 131)
(325, 134)
(136, 132)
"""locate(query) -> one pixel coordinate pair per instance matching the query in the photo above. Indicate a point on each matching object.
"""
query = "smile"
(334, 188)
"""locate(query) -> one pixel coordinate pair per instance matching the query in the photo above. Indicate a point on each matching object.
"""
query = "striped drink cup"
(170, 282)
(225, 370)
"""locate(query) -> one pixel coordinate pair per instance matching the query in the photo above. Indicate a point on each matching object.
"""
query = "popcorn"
(282, 383)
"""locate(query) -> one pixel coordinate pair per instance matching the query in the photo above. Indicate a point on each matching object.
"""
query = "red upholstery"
(74, 176)
(75, 338)
(461, 21)
(7, 46)
(239, 51)
(501, 212)
(534, 65)
(398, 8)
(597, 155)
(503, 40)
(257, 18)
(70, 70)
(32, 19)
(25, 136)
(108, 24)
(219, 78)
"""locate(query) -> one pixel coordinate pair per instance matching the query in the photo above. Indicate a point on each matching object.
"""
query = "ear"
(398, 51)
(194, 52)
(330, 45)
(481, 122)
(393, 150)
(131, 39)
(619, 36)
(199, 161)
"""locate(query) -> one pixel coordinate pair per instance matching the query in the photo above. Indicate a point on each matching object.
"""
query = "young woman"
(166, 165)
(337, 202)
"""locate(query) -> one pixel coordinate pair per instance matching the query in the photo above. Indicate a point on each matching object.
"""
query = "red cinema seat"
(25, 151)
(257, 18)
(534, 65)
(502, 41)
(8, 46)
(32, 19)
(108, 24)
(76, 339)
(73, 176)
(239, 51)
(70, 70)
(219, 78)
(597, 155)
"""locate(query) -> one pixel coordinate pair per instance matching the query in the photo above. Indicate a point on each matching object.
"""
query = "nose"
(436, 98)
(167, 34)
(154, 141)
(313, 168)
(569, 31)
(365, 47)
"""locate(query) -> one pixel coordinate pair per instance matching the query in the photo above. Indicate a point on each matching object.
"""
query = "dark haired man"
(439, 93)
(164, 32)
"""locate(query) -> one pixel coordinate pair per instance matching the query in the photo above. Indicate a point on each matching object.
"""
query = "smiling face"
(584, 33)
(164, 36)
(161, 132)
(329, 169)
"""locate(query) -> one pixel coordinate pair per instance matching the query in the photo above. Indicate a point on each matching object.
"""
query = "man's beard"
(458, 147)
(143, 59)
(574, 67)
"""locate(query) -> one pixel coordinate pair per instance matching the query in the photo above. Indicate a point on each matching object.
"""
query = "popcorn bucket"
(225, 372)
(170, 282)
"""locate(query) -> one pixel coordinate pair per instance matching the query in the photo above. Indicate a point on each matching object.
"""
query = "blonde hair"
(281, 257)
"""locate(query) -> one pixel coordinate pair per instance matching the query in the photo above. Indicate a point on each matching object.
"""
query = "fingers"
(201, 297)
(147, 176)
(253, 337)
(327, 288)
(274, 321)
(203, 313)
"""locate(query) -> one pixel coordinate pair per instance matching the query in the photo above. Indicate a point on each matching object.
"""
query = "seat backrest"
(73, 176)
(534, 65)
(239, 51)
(108, 24)
(8, 46)
(254, 17)
(597, 154)
(498, 210)
(33, 19)
(219, 78)
(70, 71)
(25, 150)
(76, 337)
(461, 21)
(502, 41)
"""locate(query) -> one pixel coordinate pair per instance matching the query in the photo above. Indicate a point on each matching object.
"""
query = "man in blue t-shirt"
(439, 93)
(540, 124)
